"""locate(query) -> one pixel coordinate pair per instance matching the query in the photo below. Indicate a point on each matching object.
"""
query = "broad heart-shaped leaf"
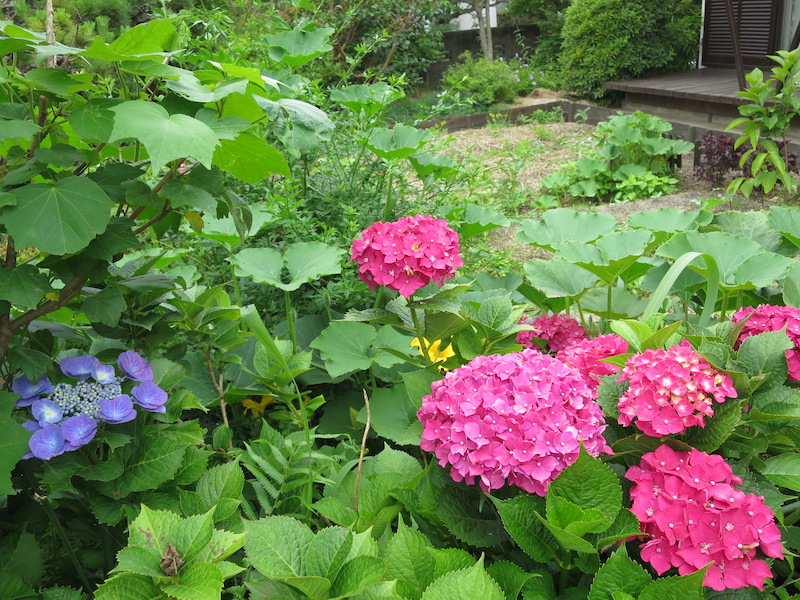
(16, 128)
(196, 581)
(520, 519)
(61, 218)
(756, 226)
(394, 415)
(370, 98)
(480, 219)
(619, 574)
(165, 137)
(669, 220)
(784, 470)
(13, 441)
(298, 46)
(610, 255)
(301, 126)
(346, 347)
(190, 87)
(105, 306)
(762, 270)
(305, 261)
(399, 142)
(561, 225)
(250, 159)
(786, 221)
(94, 120)
(590, 484)
(183, 194)
(277, 546)
(23, 286)
(127, 586)
(474, 582)
(143, 42)
(558, 278)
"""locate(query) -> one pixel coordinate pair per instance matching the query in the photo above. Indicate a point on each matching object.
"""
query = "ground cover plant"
(226, 378)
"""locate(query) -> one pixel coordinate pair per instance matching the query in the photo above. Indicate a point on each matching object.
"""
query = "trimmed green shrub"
(618, 39)
(485, 82)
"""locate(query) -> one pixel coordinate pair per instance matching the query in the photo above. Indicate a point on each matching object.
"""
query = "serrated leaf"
(783, 470)
(558, 278)
(58, 218)
(224, 481)
(196, 581)
(105, 306)
(358, 574)
(23, 286)
(688, 587)
(127, 586)
(328, 551)
(192, 534)
(277, 546)
(394, 416)
(764, 355)
(147, 465)
(138, 560)
(589, 484)
(408, 560)
(151, 530)
(520, 519)
(474, 582)
(619, 574)
(717, 429)
(345, 347)
(510, 577)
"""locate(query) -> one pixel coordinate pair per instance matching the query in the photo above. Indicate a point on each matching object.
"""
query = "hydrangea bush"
(557, 330)
(66, 415)
(766, 317)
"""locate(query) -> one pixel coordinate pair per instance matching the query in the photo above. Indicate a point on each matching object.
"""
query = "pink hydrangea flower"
(585, 355)
(690, 506)
(558, 330)
(671, 390)
(515, 419)
(407, 254)
(773, 318)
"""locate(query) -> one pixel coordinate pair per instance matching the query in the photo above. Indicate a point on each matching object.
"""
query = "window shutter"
(757, 24)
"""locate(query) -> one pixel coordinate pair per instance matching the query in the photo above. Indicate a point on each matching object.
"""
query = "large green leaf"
(301, 126)
(305, 261)
(474, 582)
(127, 586)
(558, 278)
(610, 255)
(394, 415)
(669, 220)
(152, 529)
(58, 218)
(16, 128)
(756, 226)
(105, 306)
(328, 551)
(277, 546)
(196, 581)
(717, 429)
(152, 462)
(372, 98)
(250, 158)
(94, 120)
(520, 518)
(399, 142)
(346, 347)
(565, 225)
(298, 46)
(786, 221)
(139, 43)
(165, 137)
(408, 560)
(589, 484)
(13, 441)
(190, 87)
(619, 574)
(784, 470)
(23, 286)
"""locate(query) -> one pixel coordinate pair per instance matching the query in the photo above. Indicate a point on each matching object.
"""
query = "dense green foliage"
(604, 40)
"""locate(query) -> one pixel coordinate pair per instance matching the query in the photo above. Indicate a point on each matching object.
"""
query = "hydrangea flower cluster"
(585, 355)
(559, 330)
(516, 419)
(690, 506)
(773, 318)
(407, 254)
(671, 390)
(66, 415)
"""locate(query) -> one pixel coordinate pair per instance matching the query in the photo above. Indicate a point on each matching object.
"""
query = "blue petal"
(29, 390)
(78, 366)
(103, 373)
(150, 397)
(117, 410)
(46, 412)
(47, 442)
(134, 366)
(79, 430)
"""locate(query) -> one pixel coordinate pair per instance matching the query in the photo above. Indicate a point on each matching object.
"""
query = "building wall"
(791, 17)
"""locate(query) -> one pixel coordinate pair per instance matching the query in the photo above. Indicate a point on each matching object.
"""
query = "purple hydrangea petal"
(150, 397)
(79, 367)
(79, 430)
(134, 366)
(47, 442)
(31, 426)
(30, 391)
(103, 373)
(47, 412)
(117, 410)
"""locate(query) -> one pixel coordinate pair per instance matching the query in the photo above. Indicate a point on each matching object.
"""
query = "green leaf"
(520, 518)
(192, 535)
(58, 81)
(165, 137)
(372, 98)
(316, 588)
(138, 560)
(786, 221)
(558, 278)
(225, 481)
(305, 261)
(277, 546)
(196, 581)
(688, 587)
(619, 574)
(127, 586)
(250, 159)
(474, 582)
(328, 551)
(565, 225)
(610, 255)
(148, 464)
(763, 356)
(480, 219)
(509, 577)
(61, 218)
(15, 128)
(345, 347)
(94, 120)
(138, 43)
(397, 143)
(590, 484)
(784, 470)
(717, 429)
(298, 46)
(105, 306)
(13, 441)
(23, 286)
(669, 220)
(450, 559)
(394, 415)
(152, 529)
(183, 194)
(300, 126)
(357, 574)
(188, 86)
(408, 560)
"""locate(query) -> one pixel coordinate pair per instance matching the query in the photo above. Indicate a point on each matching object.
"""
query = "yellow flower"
(258, 408)
(435, 354)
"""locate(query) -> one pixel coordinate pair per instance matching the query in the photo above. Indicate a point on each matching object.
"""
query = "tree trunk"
(483, 14)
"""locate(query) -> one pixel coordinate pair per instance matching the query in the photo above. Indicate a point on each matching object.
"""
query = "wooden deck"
(708, 84)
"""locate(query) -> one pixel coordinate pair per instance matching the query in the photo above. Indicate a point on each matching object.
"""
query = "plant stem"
(362, 452)
(290, 320)
(423, 346)
(237, 292)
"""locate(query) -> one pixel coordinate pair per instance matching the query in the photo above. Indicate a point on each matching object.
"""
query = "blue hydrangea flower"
(150, 397)
(117, 410)
(134, 366)
(79, 430)
(104, 373)
(30, 391)
(79, 367)
(47, 442)
(47, 412)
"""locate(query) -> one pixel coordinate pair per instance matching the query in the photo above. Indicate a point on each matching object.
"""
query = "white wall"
(469, 21)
